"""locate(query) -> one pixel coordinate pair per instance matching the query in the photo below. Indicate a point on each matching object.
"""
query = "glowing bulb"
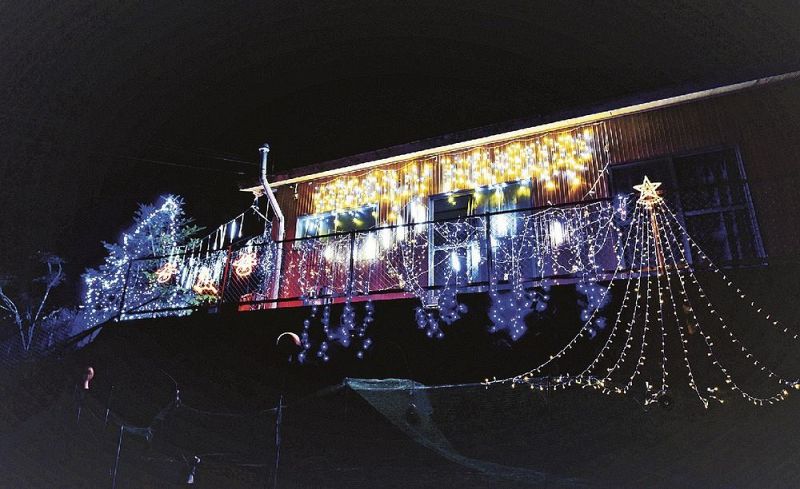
(501, 225)
(455, 262)
(370, 248)
(418, 212)
(205, 282)
(557, 233)
(244, 263)
(401, 230)
(475, 255)
(165, 273)
(386, 238)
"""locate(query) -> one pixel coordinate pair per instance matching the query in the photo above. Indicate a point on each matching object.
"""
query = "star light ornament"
(648, 194)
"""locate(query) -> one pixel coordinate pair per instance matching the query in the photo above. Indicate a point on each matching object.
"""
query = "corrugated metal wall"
(763, 123)
(299, 200)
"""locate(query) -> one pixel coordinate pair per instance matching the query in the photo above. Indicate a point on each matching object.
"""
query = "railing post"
(225, 274)
(351, 273)
(489, 258)
(280, 252)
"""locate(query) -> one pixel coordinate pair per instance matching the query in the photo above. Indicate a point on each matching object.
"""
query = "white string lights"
(121, 283)
(662, 319)
(658, 313)
(175, 284)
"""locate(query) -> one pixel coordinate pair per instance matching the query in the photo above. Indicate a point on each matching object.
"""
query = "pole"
(116, 460)
(489, 257)
(108, 405)
(351, 271)
(79, 399)
(226, 275)
(273, 202)
(277, 442)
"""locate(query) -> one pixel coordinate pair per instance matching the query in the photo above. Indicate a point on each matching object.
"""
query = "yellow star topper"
(647, 192)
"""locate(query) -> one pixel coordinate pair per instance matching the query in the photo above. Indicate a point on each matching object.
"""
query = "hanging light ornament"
(205, 285)
(348, 332)
(244, 263)
(166, 272)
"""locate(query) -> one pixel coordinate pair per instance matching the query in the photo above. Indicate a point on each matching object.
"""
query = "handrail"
(532, 210)
(220, 263)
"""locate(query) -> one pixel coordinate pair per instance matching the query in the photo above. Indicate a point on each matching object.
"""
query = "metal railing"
(415, 259)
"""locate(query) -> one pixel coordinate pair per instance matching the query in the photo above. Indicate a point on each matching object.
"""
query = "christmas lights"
(205, 284)
(657, 299)
(166, 272)
(245, 263)
(553, 161)
(348, 332)
(515, 256)
(158, 230)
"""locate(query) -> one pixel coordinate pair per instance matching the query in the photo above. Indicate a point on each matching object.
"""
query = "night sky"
(107, 104)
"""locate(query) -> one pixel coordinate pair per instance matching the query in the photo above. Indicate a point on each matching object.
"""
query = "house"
(528, 203)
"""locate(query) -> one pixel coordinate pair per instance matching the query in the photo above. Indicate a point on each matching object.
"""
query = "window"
(709, 193)
(337, 222)
(459, 232)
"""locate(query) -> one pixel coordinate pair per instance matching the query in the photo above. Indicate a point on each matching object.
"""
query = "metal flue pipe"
(264, 149)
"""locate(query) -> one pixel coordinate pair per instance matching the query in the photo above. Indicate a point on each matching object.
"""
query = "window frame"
(747, 205)
(300, 226)
(432, 199)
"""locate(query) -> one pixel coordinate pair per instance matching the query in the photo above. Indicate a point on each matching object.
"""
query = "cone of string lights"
(666, 331)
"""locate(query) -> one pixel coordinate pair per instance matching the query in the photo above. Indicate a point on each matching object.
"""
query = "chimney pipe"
(264, 149)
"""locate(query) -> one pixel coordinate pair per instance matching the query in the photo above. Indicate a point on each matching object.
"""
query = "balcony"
(530, 247)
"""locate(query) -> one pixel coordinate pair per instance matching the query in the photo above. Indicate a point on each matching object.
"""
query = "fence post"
(116, 459)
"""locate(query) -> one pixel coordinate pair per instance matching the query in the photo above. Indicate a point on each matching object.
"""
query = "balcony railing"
(532, 246)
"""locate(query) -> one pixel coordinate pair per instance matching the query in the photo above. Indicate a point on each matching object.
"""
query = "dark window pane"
(709, 193)
(724, 236)
(356, 220)
(710, 180)
(342, 222)
(452, 207)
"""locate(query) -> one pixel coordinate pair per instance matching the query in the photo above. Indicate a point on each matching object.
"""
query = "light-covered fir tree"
(158, 229)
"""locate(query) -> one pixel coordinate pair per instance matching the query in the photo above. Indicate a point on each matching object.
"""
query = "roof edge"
(512, 129)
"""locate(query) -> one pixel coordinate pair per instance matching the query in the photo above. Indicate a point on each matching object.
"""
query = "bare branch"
(54, 279)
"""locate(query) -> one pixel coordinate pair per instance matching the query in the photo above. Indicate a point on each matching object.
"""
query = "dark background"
(107, 104)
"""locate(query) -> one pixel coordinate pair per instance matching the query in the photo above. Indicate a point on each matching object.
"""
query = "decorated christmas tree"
(158, 229)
